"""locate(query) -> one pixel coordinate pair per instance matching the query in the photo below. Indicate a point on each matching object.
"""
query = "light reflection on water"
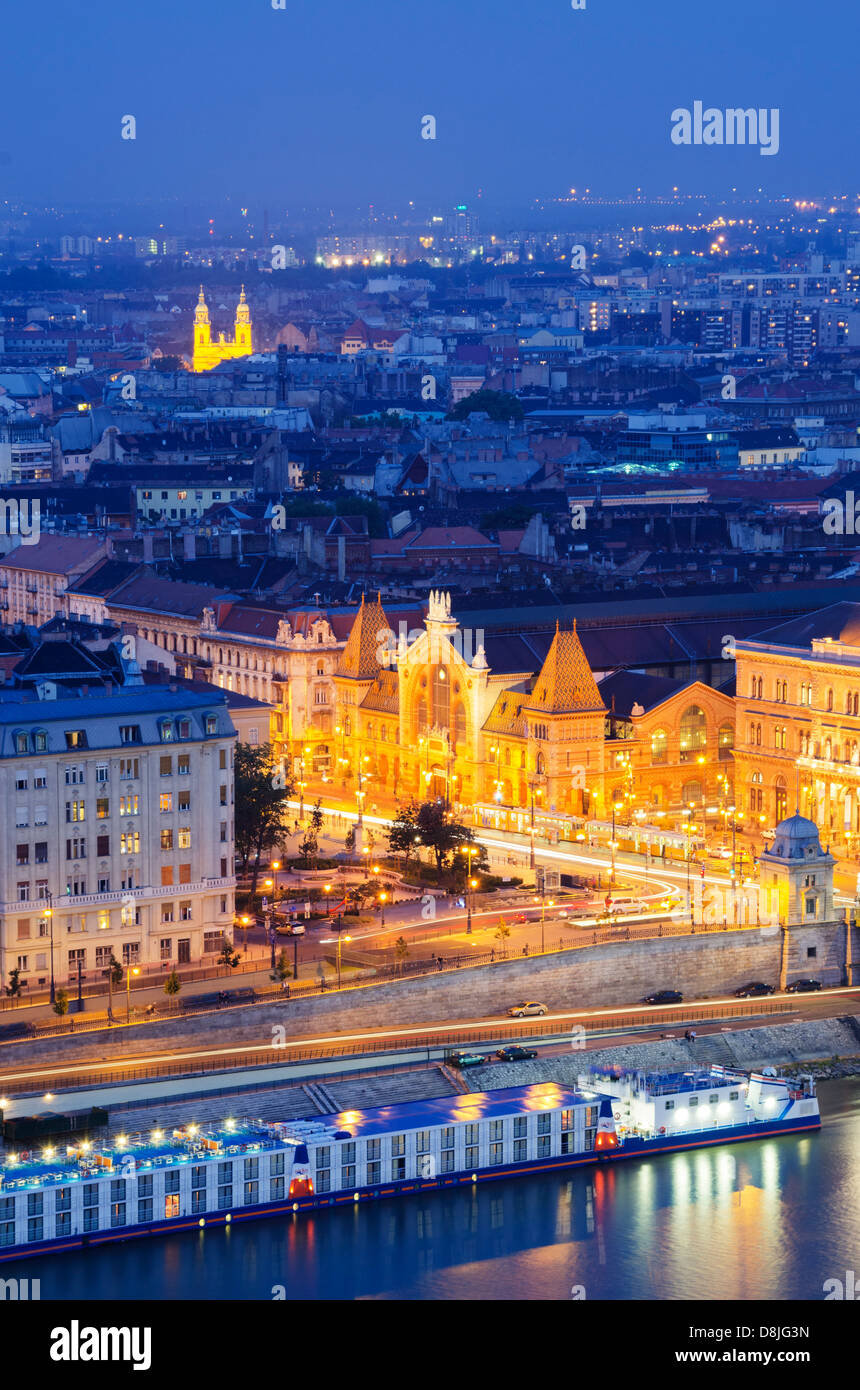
(771, 1219)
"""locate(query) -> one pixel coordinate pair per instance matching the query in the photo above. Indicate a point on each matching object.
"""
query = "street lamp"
(612, 846)
(543, 907)
(469, 850)
(129, 971)
(382, 900)
(327, 891)
(535, 791)
(340, 939)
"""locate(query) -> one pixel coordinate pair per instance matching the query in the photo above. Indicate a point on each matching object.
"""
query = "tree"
(446, 837)
(13, 989)
(262, 789)
(357, 894)
(282, 969)
(503, 931)
(172, 985)
(349, 840)
(61, 1003)
(499, 405)
(403, 832)
(401, 950)
(114, 977)
(228, 957)
(309, 847)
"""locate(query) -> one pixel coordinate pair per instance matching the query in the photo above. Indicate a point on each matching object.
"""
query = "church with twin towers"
(208, 353)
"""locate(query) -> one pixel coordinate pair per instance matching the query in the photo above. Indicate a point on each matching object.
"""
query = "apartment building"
(119, 828)
(34, 579)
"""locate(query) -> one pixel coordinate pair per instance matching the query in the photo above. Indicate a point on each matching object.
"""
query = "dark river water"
(771, 1219)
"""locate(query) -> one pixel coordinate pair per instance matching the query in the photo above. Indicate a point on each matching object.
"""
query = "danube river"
(771, 1219)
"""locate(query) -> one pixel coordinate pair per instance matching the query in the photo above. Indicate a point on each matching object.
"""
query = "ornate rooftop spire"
(368, 638)
(565, 682)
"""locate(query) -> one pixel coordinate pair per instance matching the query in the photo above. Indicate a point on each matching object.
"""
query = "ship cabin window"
(670, 1105)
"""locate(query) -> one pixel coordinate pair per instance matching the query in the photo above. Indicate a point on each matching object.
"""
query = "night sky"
(320, 104)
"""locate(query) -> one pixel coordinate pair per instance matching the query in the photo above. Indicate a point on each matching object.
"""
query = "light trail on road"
(671, 1016)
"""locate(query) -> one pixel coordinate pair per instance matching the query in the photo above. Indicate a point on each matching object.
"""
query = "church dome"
(795, 838)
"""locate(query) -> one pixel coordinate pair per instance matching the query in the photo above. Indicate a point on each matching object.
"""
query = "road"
(563, 1030)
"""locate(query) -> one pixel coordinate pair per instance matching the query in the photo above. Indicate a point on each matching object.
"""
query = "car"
(720, 852)
(527, 1009)
(664, 996)
(467, 1059)
(803, 986)
(515, 1054)
(285, 928)
(754, 988)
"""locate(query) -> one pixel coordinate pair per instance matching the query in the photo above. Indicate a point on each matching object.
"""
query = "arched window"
(692, 791)
(441, 698)
(540, 763)
(421, 714)
(694, 733)
(830, 700)
(507, 757)
(725, 741)
(659, 747)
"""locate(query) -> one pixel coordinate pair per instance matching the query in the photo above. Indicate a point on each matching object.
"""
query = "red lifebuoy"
(662, 1129)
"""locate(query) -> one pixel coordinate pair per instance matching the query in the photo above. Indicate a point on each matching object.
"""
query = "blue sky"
(322, 102)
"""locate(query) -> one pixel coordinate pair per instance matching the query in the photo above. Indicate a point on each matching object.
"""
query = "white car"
(527, 1009)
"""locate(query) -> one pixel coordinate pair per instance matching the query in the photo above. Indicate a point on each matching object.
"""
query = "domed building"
(796, 882)
(797, 875)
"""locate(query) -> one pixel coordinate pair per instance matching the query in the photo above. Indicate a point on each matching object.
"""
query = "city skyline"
(228, 98)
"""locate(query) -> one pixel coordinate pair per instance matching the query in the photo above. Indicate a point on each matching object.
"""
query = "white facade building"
(119, 818)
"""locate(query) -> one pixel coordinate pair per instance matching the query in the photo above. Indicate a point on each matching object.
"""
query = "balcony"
(136, 895)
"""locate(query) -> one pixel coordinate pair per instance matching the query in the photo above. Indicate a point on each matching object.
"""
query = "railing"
(447, 1040)
(392, 972)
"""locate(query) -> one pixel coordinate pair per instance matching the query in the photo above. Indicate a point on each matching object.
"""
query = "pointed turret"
(565, 683)
(242, 338)
(369, 637)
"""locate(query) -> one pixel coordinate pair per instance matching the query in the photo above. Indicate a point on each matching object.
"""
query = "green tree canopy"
(499, 405)
(446, 837)
(262, 789)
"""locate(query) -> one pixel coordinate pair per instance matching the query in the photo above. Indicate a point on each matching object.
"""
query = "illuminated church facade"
(428, 718)
(207, 354)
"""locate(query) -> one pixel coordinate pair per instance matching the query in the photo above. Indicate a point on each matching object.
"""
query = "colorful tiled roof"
(565, 683)
(360, 660)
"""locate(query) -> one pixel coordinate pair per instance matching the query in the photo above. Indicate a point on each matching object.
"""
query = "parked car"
(527, 1009)
(515, 1054)
(467, 1059)
(664, 996)
(285, 928)
(803, 986)
(755, 987)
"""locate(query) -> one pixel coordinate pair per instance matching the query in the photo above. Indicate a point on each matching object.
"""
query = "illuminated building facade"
(798, 724)
(431, 718)
(207, 354)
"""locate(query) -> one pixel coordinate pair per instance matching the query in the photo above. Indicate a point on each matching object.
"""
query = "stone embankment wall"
(816, 1042)
(597, 976)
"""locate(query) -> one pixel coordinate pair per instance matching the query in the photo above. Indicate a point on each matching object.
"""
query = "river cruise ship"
(88, 1192)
